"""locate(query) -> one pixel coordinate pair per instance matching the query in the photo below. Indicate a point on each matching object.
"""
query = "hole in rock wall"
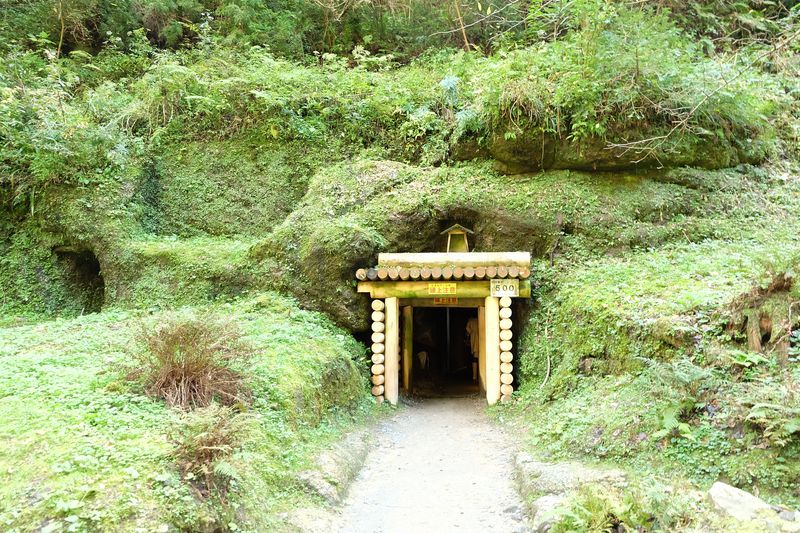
(83, 277)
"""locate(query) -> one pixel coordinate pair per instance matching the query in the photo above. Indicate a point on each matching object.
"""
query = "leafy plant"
(204, 439)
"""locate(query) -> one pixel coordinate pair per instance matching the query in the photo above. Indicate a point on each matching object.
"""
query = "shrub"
(192, 361)
(203, 440)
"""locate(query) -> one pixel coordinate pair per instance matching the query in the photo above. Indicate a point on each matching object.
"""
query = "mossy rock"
(528, 152)
(245, 184)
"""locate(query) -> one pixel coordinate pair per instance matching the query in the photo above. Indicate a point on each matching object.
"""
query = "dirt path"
(438, 466)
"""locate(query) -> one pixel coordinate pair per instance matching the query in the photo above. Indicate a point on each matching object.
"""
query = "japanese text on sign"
(445, 301)
(504, 287)
(444, 289)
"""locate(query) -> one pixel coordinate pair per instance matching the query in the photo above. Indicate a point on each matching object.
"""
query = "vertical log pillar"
(506, 367)
(482, 347)
(392, 370)
(378, 350)
(492, 329)
(408, 346)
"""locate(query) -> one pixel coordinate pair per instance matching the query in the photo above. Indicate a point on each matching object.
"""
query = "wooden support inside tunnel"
(408, 346)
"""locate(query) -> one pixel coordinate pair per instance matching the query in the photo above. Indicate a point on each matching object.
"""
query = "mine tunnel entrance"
(442, 321)
(444, 351)
(83, 277)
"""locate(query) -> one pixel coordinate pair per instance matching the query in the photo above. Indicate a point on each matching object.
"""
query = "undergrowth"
(193, 361)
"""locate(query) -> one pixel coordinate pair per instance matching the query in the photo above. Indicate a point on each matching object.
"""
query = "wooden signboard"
(442, 289)
(504, 287)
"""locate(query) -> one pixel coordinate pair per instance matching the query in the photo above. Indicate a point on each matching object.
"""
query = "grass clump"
(190, 361)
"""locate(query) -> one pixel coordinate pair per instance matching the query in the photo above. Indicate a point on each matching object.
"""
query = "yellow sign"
(435, 289)
(445, 301)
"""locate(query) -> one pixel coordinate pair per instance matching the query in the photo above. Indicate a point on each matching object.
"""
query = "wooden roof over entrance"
(448, 266)
(409, 275)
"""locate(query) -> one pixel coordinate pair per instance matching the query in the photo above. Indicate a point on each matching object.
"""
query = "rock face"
(737, 503)
(536, 477)
(744, 507)
(544, 511)
(529, 152)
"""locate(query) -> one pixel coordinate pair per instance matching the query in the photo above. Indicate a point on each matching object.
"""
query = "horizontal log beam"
(455, 259)
(421, 289)
(469, 303)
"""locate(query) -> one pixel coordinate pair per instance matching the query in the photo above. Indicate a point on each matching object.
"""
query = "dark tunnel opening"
(83, 277)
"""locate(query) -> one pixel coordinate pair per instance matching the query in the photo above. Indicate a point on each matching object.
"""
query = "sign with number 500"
(504, 287)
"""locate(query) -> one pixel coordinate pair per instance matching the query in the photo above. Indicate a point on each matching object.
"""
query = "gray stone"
(742, 506)
(536, 477)
(738, 504)
(336, 468)
(544, 511)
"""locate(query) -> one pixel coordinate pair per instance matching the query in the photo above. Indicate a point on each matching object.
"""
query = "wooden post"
(492, 338)
(482, 347)
(378, 348)
(408, 346)
(392, 347)
(506, 368)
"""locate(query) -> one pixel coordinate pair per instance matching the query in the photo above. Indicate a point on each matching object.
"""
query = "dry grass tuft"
(191, 361)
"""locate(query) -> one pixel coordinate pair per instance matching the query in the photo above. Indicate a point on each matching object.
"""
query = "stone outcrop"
(741, 506)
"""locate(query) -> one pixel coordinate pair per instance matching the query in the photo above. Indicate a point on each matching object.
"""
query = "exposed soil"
(439, 465)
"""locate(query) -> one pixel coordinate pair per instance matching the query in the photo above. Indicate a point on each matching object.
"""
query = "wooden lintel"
(470, 303)
(434, 289)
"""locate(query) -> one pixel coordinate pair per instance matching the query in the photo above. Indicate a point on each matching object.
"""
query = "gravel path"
(438, 466)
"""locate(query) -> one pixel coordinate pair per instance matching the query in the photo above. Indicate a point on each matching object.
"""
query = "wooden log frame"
(505, 345)
(461, 259)
(403, 281)
(392, 351)
(422, 289)
(378, 358)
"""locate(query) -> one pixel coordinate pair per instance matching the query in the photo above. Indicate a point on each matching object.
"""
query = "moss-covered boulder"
(355, 210)
(530, 152)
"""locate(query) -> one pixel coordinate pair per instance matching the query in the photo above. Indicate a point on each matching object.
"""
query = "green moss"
(86, 447)
(167, 272)
(242, 185)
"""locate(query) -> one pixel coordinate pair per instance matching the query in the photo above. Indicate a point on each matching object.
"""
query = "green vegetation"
(86, 448)
(643, 359)
(213, 154)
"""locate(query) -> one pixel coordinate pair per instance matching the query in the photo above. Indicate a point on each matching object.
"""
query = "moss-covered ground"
(85, 450)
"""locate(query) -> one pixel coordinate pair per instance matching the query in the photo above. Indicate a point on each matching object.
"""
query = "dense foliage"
(157, 154)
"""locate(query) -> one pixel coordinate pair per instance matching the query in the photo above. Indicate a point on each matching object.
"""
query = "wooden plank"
(408, 346)
(392, 363)
(482, 347)
(492, 329)
(422, 289)
(462, 259)
(467, 303)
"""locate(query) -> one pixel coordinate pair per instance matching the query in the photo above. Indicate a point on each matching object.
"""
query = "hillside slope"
(246, 157)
